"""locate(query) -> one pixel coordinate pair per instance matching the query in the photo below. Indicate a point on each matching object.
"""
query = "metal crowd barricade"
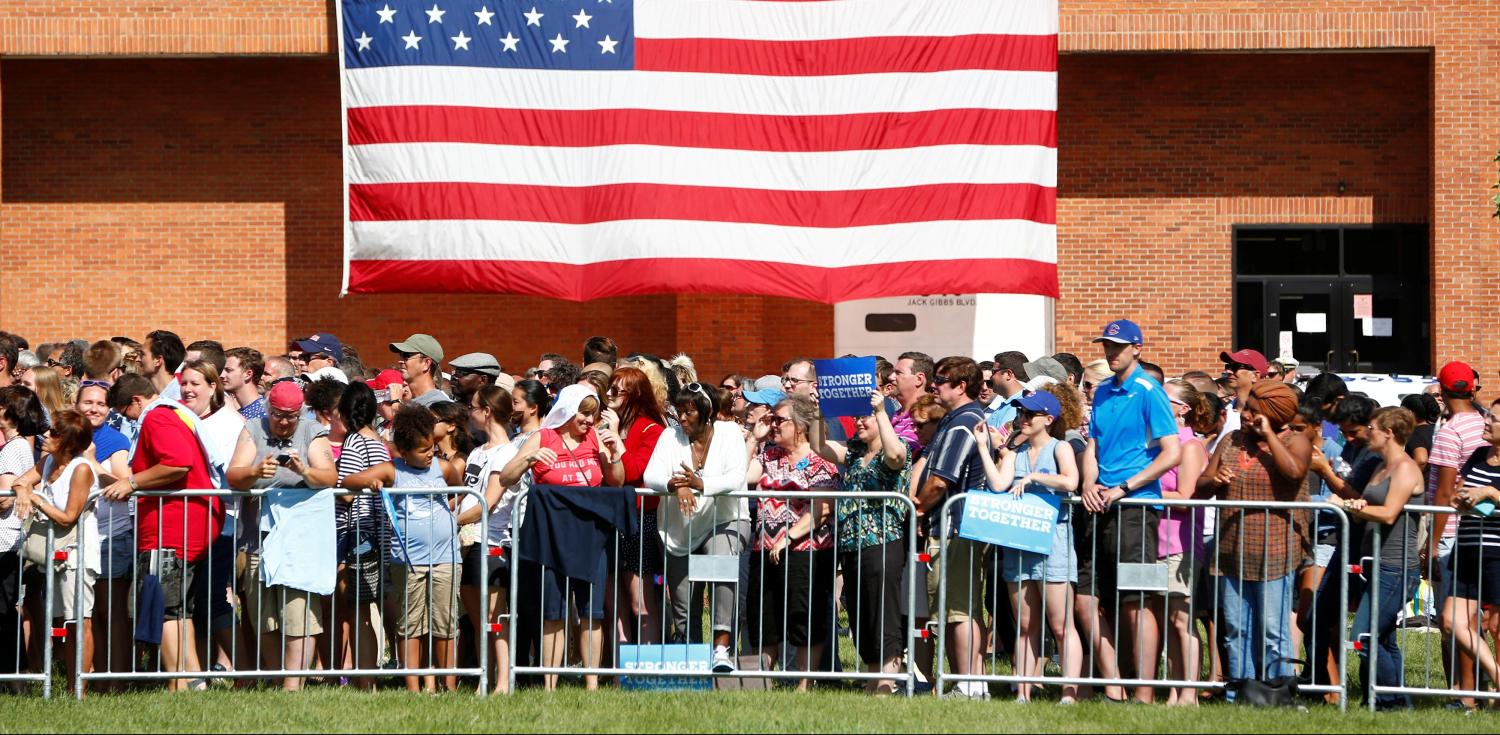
(1427, 613)
(43, 632)
(1150, 583)
(707, 573)
(323, 658)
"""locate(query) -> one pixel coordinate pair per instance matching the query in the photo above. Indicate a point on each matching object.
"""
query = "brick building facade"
(177, 165)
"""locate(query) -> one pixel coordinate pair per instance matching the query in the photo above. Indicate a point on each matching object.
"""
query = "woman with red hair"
(635, 415)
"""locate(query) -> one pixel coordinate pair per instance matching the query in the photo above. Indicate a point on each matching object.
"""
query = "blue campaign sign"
(666, 658)
(1024, 523)
(844, 385)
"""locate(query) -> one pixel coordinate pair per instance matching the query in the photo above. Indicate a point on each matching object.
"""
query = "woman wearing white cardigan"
(694, 462)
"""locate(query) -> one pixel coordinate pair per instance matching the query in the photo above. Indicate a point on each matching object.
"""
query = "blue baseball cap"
(765, 396)
(1121, 331)
(322, 342)
(1041, 402)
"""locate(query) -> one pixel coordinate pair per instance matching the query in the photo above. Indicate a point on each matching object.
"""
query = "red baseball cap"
(386, 378)
(1249, 357)
(1457, 377)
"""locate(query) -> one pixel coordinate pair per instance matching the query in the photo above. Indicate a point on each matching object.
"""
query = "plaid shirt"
(1257, 545)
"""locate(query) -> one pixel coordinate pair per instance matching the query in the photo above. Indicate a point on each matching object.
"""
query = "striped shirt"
(16, 460)
(366, 513)
(1475, 531)
(1457, 439)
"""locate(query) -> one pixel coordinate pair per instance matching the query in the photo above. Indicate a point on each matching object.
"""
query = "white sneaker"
(723, 664)
(973, 689)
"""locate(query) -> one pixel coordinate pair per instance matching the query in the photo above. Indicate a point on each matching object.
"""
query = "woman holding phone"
(1042, 462)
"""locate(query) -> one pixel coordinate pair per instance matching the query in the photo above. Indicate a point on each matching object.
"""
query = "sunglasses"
(776, 421)
(1234, 367)
(943, 380)
(94, 384)
(698, 388)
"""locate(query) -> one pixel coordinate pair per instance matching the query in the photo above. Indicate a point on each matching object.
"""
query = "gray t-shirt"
(431, 397)
(256, 518)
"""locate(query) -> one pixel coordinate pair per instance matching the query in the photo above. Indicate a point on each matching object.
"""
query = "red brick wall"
(1160, 154)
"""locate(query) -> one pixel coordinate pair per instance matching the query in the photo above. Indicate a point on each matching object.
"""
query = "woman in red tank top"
(634, 414)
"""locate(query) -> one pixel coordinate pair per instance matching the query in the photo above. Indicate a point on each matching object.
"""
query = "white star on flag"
(559, 44)
(510, 41)
(534, 18)
(460, 41)
(435, 15)
(412, 40)
(386, 14)
(582, 19)
(607, 46)
(363, 40)
(484, 15)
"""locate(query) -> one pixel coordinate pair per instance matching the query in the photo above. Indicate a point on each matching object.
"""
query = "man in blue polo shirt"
(1132, 443)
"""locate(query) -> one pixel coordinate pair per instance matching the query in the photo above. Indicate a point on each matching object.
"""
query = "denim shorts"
(1059, 566)
(117, 557)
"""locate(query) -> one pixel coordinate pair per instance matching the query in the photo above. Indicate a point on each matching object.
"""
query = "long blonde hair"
(49, 388)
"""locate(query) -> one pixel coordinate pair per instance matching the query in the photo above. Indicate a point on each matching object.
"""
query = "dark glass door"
(1304, 321)
(1346, 299)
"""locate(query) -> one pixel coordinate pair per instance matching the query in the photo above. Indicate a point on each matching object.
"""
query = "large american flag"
(818, 149)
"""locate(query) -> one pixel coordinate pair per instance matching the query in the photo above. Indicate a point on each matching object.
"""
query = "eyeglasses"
(1176, 402)
(284, 415)
(94, 384)
(785, 379)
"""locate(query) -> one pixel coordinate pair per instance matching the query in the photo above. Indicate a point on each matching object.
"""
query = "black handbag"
(1278, 692)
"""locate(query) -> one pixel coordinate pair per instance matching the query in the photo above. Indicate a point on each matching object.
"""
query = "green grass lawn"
(569, 710)
(834, 706)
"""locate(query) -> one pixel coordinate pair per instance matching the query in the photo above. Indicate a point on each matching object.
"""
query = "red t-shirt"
(167, 437)
(578, 467)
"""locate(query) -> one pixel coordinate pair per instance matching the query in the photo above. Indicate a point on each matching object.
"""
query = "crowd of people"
(360, 553)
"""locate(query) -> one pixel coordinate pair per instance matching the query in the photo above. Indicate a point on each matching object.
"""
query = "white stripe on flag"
(694, 92)
(624, 239)
(624, 164)
(804, 21)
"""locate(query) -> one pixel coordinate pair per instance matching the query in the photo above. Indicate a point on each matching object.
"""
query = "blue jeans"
(1257, 618)
(1396, 586)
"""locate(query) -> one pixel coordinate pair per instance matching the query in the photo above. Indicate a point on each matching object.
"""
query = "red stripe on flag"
(663, 275)
(584, 205)
(879, 55)
(781, 133)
